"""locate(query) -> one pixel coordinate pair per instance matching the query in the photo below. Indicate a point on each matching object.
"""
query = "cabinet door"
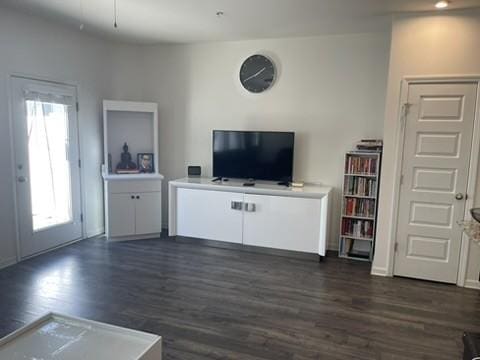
(282, 222)
(121, 215)
(209, 215)
(148, 213)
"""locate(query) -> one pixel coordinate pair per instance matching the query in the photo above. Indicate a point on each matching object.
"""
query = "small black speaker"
(194, 170)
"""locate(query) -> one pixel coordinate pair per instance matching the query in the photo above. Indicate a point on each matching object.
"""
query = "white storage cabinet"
(267, 215)
(133, 202)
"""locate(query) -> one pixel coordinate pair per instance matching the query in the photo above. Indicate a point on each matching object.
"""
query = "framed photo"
(145, 162)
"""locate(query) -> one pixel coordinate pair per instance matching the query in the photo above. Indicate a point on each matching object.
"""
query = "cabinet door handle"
(250, 207)
(138, 197)
(236, 205)
(132, 197)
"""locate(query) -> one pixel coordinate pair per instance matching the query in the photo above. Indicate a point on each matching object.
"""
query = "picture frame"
(145, 163)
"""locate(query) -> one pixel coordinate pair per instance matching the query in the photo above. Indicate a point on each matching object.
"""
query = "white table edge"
(308, 191)
(52, 315)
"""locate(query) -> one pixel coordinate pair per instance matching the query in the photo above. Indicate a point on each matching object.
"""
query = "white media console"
(266, 215)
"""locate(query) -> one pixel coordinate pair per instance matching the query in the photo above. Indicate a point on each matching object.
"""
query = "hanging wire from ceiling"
(82, 16)
(115, 25)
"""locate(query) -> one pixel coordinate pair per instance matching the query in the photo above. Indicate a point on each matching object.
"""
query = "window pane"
(49, 164)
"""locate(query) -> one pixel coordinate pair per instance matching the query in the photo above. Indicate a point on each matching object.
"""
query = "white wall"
(441, 44)
(32, 46)
(330, 91)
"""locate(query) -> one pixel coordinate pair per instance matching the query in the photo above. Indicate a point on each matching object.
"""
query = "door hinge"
(406, 108)
(395, 248)
(401, 179)
(79, 163)
(77, 106)
(81, 217)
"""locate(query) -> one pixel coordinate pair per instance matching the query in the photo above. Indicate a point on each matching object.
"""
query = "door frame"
(53, 81)
(398, 163)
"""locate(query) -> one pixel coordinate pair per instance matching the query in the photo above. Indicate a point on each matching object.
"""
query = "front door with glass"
(46, 164)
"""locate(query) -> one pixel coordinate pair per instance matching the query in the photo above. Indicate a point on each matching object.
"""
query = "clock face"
(257, 73)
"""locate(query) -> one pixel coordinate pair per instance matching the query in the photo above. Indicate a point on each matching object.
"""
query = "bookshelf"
(359, 205)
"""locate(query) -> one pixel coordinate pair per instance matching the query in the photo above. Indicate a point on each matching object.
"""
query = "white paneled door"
(46, 164)
(437, 147)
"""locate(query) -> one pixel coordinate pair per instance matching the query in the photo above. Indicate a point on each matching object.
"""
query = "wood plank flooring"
(215, 303)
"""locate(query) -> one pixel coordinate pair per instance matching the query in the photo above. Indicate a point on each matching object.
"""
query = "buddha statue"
(126, 162)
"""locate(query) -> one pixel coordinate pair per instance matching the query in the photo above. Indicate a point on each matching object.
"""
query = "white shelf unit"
(133, 202)
(359, 205)
(134, 123)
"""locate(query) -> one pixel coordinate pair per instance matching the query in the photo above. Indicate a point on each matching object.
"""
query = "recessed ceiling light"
(443, 4)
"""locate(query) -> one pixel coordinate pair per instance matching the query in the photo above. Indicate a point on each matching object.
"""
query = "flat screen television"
(259, 155)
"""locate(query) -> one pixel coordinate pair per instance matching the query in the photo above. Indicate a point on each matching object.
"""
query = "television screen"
(259, 155)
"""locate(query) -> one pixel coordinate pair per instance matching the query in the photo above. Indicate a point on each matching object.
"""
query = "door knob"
(459, 196)
(22, 179)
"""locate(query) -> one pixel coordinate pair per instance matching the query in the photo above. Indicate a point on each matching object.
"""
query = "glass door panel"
(50, 185)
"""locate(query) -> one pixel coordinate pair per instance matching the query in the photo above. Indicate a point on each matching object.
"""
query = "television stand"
(265, 215)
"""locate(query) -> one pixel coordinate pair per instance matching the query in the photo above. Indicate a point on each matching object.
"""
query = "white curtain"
(47, 131)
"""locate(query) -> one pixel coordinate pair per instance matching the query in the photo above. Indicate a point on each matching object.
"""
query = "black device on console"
(194, 170)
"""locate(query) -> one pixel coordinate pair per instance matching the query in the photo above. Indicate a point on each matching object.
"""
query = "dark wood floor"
(211, 303)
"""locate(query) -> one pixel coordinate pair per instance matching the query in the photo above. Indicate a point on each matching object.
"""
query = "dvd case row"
(357, 228)
(361, 165)
(359, 207)
(360, 186)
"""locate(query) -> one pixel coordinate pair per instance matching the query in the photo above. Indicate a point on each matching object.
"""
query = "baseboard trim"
(134, 237)
(95, 233)
(472, 284)
(379, 271)
(8, 262)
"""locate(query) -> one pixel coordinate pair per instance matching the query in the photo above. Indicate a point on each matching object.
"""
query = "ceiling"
(183, 21)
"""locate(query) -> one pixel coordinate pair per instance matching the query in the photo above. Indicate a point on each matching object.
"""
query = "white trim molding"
(379, 271)
(472, 284)
(95, 233)
(472, 177)
(8, 262)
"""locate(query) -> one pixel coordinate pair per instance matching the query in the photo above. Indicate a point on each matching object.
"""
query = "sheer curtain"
(50, 185)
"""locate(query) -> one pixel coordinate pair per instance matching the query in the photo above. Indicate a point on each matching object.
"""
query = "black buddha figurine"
(126, 162)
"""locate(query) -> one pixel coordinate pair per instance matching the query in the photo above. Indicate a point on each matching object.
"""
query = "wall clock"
(257, 73)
